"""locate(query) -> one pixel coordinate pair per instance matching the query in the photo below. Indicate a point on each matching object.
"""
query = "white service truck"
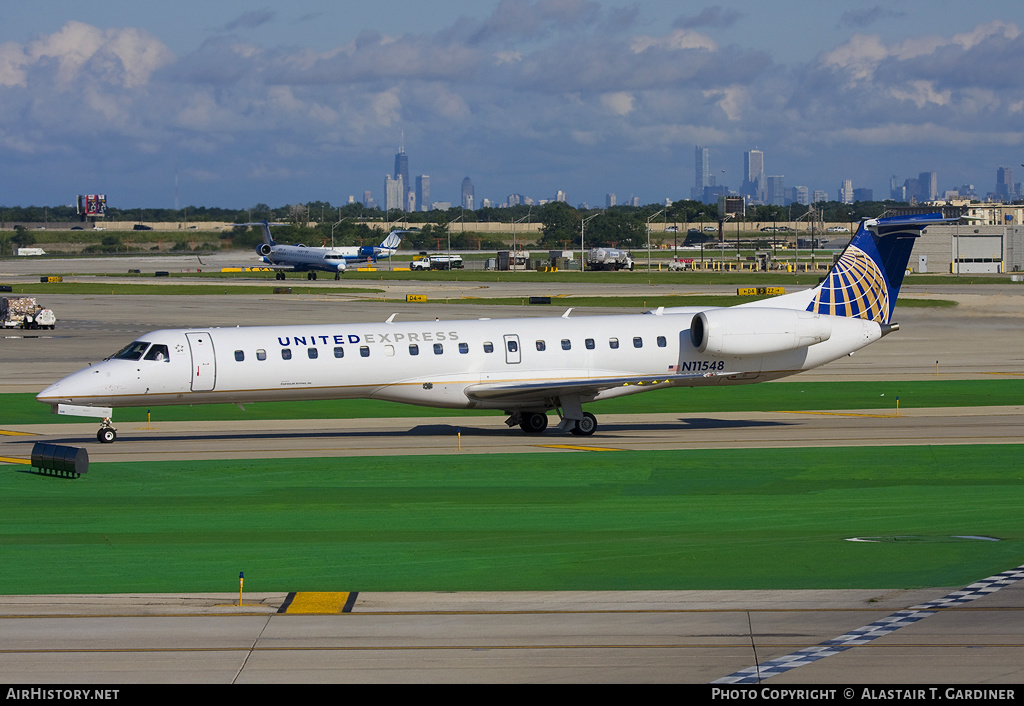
(609, 259)
(24, 312)
(437, 262)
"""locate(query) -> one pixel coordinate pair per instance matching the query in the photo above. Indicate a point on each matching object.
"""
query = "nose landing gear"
(107, 433)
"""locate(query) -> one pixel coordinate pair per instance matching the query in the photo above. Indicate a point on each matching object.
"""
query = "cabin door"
(512, 353)
(204, 363)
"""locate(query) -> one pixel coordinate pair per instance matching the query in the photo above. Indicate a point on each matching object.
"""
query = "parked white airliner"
(299, 258)
(524, 366)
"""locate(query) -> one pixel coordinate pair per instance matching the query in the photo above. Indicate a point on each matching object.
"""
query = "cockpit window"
(159, 353)
(133, 351)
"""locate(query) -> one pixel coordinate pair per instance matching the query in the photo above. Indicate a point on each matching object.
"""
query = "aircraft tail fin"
(866, 279)
(394, 238)
(265, 226)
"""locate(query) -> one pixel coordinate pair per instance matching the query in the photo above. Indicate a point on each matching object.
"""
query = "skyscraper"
(393, 193)
(402, 171)
(929, 183)
(897, 191)
(753, 176)
(609, 200)
(701, 172)
(423, 192)
(775, 191)
(846, 191)
(1004, 183)
(467, 193)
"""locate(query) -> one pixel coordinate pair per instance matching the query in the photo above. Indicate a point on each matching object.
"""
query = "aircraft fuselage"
(434, 363)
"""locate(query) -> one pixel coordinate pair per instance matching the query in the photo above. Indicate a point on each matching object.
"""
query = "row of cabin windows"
(414, 348)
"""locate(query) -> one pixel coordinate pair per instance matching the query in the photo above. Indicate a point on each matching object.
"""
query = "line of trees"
(354, 224)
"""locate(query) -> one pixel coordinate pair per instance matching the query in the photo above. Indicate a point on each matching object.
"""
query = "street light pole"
(448, 228)
(649, 237)
(583, 257)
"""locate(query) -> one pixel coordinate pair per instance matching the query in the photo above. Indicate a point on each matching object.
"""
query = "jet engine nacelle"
(756, 331)
(264, 249)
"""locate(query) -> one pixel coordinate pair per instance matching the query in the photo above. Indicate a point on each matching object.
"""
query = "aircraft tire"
(585, 426)
(533, 422)
(106, 435)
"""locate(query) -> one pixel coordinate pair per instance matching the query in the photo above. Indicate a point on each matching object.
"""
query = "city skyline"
(236, 104)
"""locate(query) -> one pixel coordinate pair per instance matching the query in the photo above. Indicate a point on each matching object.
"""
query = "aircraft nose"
(68, 388)
(51, 392)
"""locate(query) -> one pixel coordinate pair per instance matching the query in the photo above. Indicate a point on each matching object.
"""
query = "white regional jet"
(525, 366)
(299, 258)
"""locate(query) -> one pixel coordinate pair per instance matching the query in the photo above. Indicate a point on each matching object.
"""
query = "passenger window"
(662, 342)
(541, 345)
(589, 344)
(239, 355)
(159, 353)
(613, 343)
(286, 354)
(488, 347)
(339, 352)
(312, 353)
(463, 348)
(566, 345)
(638, 342)
(438, 348)
(261, 354)
(364, 351)
(414, 349)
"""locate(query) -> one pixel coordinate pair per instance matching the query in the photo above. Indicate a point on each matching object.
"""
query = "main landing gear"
(107, 433)
(537, 422)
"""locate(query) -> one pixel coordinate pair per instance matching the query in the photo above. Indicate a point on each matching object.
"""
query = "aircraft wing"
(259, 266)
(528, 392)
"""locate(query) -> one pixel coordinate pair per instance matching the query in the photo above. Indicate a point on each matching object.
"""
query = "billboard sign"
(92, 205)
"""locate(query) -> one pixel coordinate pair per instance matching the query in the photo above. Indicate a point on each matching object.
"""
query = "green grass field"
(794, 394)
(759, 519)
(741, 519)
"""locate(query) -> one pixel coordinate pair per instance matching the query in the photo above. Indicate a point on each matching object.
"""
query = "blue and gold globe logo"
(854, 288)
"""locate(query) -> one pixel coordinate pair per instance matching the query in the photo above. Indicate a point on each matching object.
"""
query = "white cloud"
(12, 65)
(619, 103)
(678, 40)
(985, 32)
(921, 93)
(125, 57)
(731, 100)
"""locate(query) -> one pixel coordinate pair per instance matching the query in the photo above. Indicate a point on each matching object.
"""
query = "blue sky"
(234, 103)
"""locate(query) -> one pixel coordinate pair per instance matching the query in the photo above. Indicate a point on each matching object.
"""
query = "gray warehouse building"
(969, 249)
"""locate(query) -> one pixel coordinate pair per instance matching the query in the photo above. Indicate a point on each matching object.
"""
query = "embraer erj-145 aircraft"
(526, 366)
(299, 258)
